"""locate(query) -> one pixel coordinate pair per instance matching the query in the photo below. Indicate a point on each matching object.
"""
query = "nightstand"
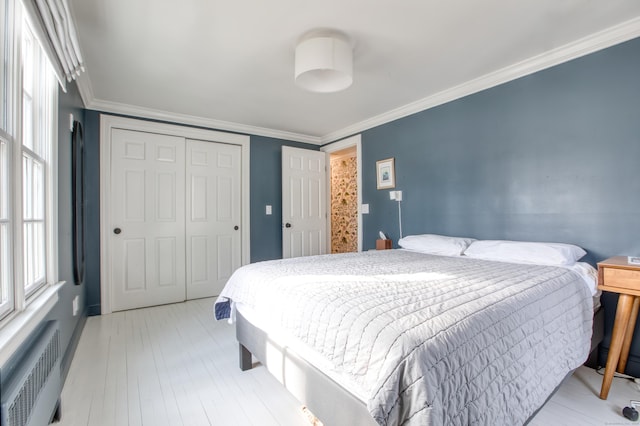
(617, 276)
(384, 244)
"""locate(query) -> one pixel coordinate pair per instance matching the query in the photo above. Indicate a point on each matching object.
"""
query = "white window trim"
(10, 307)
(51, 197)
(15, 123)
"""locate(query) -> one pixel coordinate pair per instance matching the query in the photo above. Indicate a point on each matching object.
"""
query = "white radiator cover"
(31, 394)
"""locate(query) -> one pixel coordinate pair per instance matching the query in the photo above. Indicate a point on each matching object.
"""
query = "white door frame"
(109, 122)
(356, 141)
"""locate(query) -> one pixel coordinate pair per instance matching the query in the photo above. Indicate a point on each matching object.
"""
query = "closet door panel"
(148, 221)
(213, 216)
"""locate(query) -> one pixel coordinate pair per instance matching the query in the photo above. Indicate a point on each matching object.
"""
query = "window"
(5, 43)
(6, 292)
(28, 109)
(6, 266)
(37, 84)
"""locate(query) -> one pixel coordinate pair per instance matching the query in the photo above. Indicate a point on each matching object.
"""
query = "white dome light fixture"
(324, 61)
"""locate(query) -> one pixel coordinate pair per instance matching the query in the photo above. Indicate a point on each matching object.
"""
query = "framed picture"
(386, 174)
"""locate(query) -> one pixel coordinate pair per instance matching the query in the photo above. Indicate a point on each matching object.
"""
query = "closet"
(175, 217)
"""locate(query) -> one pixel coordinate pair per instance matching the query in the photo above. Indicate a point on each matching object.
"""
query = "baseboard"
(65, 363)
(633, 363)
(93, 310)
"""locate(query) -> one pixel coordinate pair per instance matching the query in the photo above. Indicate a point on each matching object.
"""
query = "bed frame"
(326, 399)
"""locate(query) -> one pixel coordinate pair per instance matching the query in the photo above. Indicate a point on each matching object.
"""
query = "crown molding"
(584, 46)
(191, 120)
(614, 35)
(85, 88)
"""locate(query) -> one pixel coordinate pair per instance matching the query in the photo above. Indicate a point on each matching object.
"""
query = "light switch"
(268, 209)
(364, 209)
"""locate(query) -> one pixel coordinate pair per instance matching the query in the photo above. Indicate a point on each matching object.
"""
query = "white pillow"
(435, 244)
(525, 252)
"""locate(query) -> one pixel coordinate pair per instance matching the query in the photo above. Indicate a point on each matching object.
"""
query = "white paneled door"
(147, 210)
(213, 216)
(304, 220)
(176, 216)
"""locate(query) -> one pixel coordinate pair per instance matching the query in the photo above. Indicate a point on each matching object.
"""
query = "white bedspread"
(429, 339)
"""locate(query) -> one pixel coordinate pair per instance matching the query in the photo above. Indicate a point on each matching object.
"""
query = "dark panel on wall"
(266, 189)
(554, 156)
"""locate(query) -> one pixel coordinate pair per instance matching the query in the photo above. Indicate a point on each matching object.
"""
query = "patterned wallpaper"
(344, 204)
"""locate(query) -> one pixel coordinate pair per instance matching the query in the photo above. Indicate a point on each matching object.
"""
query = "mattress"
(426, 339)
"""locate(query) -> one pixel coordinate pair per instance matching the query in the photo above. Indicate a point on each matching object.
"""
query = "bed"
(397, 337)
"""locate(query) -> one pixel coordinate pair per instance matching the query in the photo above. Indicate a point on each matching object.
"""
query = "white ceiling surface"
(230, 63)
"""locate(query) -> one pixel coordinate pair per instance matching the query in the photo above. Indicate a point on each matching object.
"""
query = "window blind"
(55, 23)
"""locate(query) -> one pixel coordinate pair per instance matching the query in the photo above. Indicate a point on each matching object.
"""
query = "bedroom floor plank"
(174, 365)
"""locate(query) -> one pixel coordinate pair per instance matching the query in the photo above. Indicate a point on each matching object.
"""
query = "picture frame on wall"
(386, 173)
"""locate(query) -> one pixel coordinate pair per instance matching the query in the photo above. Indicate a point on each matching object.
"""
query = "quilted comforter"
(430, 340)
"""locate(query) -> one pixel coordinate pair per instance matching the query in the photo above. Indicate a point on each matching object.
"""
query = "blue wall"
(554, 156)
(92, 210)
(266, 189)
(70, 326)
(265, 184)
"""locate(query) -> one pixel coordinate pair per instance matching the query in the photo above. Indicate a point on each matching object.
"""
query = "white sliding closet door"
(148, 218)
(213, 216)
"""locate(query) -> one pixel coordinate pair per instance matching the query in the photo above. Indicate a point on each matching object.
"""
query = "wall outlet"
(395, 195)
(76, 306)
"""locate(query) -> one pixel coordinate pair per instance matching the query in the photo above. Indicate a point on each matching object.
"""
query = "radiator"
(30, 397)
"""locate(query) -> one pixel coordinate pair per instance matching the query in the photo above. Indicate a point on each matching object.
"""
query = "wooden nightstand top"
(618, 276)
(619, 262)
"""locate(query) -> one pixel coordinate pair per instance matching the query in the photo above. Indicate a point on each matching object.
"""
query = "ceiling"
(229, 64)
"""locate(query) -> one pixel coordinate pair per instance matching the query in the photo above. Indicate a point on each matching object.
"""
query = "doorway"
(343, 208)
(344, 183)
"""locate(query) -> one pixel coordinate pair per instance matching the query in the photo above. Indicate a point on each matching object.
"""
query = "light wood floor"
(175, 365)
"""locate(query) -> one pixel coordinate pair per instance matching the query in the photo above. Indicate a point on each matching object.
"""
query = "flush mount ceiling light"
(324, 61)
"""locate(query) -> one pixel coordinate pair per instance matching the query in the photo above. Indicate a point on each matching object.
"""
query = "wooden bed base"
(326, 399)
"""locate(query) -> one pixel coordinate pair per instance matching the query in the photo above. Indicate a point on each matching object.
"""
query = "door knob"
(287, 225)
(117, 231)
(236, 227)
